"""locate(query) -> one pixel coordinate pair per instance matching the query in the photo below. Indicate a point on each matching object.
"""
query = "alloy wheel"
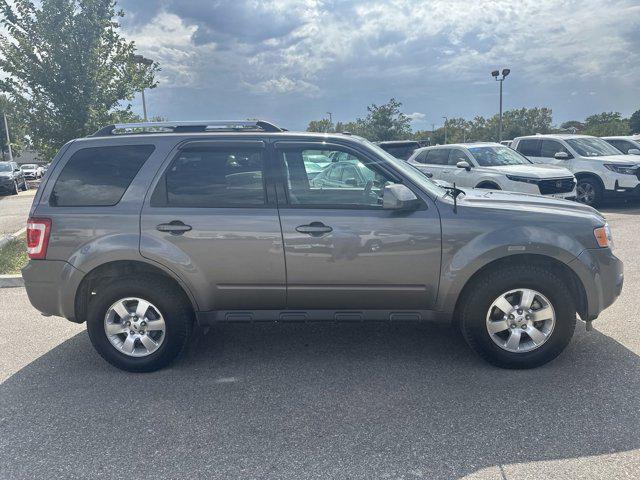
(585, 193)
(520, 320)
(134, 327)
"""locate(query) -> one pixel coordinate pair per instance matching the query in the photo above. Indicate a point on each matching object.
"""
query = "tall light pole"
(147, 62)
(445, 129)
(495, 74)
(6, 132)
(330, 119)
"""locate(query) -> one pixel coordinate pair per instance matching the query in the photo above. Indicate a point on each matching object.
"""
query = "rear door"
(436, 162)
(530, 148)
(343, 251)
(212, 219)
(549, 148)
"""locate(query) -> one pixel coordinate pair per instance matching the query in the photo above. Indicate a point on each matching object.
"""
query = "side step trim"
(326, 316)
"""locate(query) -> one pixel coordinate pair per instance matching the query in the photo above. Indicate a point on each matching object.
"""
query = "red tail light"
(38, 230)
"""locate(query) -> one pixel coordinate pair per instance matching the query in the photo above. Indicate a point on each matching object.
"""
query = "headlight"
(516, 178)
(625, 169)
(603, 236)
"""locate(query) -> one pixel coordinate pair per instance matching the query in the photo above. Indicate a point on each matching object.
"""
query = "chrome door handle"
(315, 229)
(176, 227)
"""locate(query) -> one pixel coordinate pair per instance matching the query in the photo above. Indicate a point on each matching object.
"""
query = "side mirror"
(561, 156)
(17, 170)
(633, 151)
(464, 164)
(399, 197)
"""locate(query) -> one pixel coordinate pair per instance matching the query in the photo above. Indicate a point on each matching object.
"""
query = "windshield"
(495, 156)
(592, 147)
(413, 173)
(28, 167)
(5, 167)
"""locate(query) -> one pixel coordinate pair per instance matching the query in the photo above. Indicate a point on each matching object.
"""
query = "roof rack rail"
(187, 127)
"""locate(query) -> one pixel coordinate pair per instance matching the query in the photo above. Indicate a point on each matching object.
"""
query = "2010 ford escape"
(143, 230)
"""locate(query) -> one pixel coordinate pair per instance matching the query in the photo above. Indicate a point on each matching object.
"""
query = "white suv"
(493, 166)
(600, 169)
(629, 145)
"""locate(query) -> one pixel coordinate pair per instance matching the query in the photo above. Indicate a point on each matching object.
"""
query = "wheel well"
(487, 184)
(101, 275)
(590, 175)
(562, 270)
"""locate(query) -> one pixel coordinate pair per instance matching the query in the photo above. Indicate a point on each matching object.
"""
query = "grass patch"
(13, 256)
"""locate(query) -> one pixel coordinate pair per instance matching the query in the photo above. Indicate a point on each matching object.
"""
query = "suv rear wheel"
(140, 324)
(518, 316)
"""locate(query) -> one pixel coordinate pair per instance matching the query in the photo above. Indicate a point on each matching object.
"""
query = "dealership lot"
(323, 401)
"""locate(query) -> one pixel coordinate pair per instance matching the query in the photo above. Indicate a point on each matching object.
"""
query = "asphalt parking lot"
(357, 401)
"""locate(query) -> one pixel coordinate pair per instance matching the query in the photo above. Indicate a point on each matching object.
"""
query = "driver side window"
(346, 180)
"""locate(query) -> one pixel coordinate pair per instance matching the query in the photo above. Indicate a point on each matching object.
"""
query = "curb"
(11, 281)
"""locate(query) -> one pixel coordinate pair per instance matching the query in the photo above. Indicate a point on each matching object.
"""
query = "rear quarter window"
(98, 176)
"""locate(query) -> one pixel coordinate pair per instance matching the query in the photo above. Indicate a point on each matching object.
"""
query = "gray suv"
(145, 230)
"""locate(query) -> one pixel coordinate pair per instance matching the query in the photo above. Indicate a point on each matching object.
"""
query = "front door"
(342, 249)
(211, 220)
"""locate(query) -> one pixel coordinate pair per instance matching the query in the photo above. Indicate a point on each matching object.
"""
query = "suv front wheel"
(139, 325)
(518, 316)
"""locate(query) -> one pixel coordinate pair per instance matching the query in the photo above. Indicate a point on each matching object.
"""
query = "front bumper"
(602, 274)
(624, 192)
(51, 286)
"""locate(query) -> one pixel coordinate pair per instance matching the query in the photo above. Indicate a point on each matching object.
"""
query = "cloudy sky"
(291, 61)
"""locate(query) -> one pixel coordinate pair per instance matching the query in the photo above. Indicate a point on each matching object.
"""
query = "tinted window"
(529, 147)
(403, 151)
(438, 156)
(621, 145)
(213, 177)
(457, 156)
(421, 157)
(5, 167)
(98, 176)
(551, 147)
(347, 183)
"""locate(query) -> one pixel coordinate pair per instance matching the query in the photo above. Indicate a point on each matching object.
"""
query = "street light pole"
(495, 74)
(330, 119)
(445, 129)
(147, 62)
(6, 132)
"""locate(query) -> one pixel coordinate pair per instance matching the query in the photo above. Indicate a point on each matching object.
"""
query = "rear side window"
(98, 176)
(211, 177)
(438, 156)
(529, 147)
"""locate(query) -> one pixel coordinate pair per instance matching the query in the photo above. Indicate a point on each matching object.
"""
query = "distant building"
(28, 156)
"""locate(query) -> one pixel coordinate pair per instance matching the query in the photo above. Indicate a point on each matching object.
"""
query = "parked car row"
(581, 167)
(232, 222)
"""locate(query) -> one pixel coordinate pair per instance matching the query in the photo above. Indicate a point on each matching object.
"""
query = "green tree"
(634, 122)
(322, 126)
(17, 130)
(68, 68)
(606, 123)
(385, 122)
(573, 126)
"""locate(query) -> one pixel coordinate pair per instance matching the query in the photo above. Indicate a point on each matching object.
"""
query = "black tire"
(595, 186)
(494, 283)
(15, 188)
(175, 309)
(25, 187)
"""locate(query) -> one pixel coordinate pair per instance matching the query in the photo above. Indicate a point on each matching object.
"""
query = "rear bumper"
(51, 286)
(602, 274)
